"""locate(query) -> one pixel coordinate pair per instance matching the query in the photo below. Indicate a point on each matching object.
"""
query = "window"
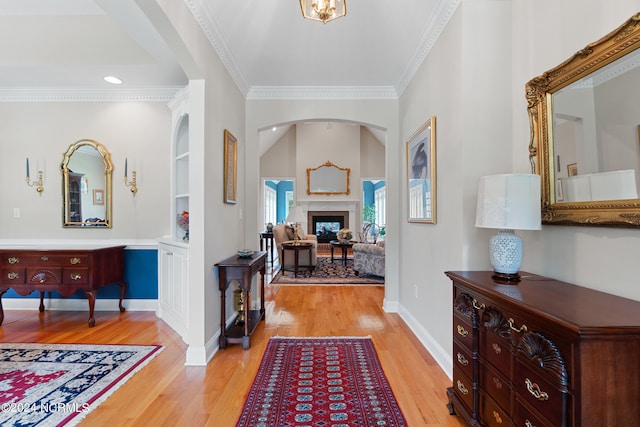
(269, 205)
(380, 203)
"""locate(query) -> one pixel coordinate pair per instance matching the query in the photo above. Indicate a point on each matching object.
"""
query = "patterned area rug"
(58, 384)
(328, 273)
(335, 382)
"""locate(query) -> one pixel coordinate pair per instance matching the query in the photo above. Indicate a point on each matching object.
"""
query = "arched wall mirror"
(86, 185)
(585, 133)
(328, 179)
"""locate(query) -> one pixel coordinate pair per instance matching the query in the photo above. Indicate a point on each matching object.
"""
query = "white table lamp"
(508, 202)
(295, 217)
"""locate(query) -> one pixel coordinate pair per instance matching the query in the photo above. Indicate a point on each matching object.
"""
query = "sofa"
(369, 258)
(285, 233)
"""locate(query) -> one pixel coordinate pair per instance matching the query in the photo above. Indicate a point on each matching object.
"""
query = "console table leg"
(91, 297)
(123, 287)
(1, 309)
(41, 307)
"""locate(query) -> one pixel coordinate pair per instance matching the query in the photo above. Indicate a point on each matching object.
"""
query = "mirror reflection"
(595, 129)
(86, 185)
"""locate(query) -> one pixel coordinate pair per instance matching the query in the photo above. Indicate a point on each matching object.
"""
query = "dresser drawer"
(526, 417)
(498, 352)
(532, 386)
(463, 387)
(463, 332)
(497, 386)
(493, 415)
(75, 275)
(462, 359)
(12, 275)
(44, 259)
(44, 275)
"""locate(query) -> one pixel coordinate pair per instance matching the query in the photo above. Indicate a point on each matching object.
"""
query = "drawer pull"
(521, 329)
(497, 383)
(462, 331)
(13, 275)
(74, 260)
(14, 260)
(475, 305)
(497, 348)
(462, 388)
(534, 389)
(462, 360)
(75, 276)
(44, 258)
(527, 423)
(496, 415)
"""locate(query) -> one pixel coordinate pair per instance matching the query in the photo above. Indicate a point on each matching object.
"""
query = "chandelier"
(323, 10)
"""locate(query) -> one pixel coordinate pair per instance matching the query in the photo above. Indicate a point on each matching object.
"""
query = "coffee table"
(344, 246)
(296, 248)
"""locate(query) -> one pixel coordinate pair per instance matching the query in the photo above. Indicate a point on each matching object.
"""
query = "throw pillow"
(289, 230)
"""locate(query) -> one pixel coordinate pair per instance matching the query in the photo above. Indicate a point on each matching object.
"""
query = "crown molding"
(436, 25)
(322, 92)
(89, 94)
(205, 18)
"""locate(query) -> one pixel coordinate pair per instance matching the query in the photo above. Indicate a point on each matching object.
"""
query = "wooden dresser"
(543, 353)
(62, 270)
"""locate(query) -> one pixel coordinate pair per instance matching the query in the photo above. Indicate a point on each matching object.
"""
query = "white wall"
(43, 132)
(465, 83)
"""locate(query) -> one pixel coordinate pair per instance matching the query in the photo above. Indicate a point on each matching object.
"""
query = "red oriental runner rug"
(58, 384)
(335, 382)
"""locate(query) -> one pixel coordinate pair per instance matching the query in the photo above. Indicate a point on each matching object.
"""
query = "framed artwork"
(421, 173)
(572, 169)
(98, 197)
(230, 167)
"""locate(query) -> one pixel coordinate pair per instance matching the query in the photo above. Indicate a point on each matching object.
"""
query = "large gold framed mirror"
(86, 185)
(328, 178)
(585, 133)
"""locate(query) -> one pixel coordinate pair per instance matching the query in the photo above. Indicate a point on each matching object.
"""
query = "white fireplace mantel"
(327, 206)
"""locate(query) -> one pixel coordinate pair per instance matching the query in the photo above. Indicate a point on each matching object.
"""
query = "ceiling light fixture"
(113, 80)
(323, 10)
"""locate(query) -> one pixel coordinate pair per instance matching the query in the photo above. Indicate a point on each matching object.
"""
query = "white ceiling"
(62, 46)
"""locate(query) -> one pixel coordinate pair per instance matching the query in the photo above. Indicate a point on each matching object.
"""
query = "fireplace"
(325, 225)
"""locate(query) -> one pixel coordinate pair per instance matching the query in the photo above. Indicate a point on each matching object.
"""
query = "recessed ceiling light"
(113, 80)
(274, 129)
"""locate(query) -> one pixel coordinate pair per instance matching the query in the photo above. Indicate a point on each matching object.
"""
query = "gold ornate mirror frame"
(539, 91)
(86, 189)
(328, 178)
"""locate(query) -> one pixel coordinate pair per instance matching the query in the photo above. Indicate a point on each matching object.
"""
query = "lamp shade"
(296, 215)
(509, 201)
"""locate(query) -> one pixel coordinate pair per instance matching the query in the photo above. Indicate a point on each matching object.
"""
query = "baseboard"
(77, 304)
(442, 358)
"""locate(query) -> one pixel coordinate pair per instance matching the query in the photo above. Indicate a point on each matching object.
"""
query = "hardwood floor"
(167, 393)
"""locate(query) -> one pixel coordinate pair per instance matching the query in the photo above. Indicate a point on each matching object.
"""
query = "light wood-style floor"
(167, 393)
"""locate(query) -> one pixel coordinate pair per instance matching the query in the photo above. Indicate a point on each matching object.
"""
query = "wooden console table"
(242, 270)
(62, 270)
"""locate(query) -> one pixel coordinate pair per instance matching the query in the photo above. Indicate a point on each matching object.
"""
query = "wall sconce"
(38, 184)
(132, 184)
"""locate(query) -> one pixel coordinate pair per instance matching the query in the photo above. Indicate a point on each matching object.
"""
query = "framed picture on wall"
(230, 167)
(421, 173)
(98, 197)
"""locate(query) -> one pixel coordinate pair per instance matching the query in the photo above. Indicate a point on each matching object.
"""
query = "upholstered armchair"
(369, 258)
(284, 233)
